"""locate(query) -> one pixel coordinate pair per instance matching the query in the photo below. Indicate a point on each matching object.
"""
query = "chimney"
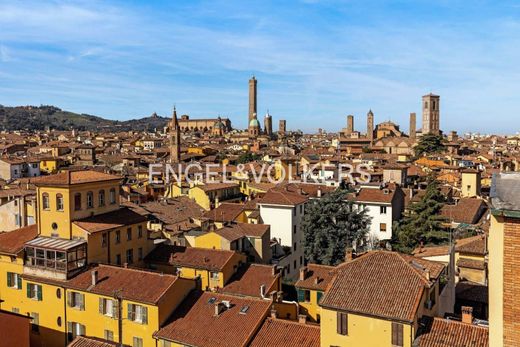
(262, 290)
(125, 265)
(317, 280)
(302, 319)
(274, 314)
(94, 276)
(467, 314)
(349, 255)
(303, 273)
(427, 274)
(318, 193)
(274, 270)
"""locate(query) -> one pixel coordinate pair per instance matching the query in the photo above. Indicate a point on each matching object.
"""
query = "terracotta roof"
(282, 197)
(475, 245)
(225, 212)
(192, 257)
(249, 278)
(235, 231)
(74, 177)
(284, 333)
(470, 291)
(217, 186)
(110, 220)
(194, 323)
(468, 210)
(317, 277)
(450, 333)
(374, 195)
(380, 283)
(432, 251)
(12, 242)
(82, 341)
(471, 263)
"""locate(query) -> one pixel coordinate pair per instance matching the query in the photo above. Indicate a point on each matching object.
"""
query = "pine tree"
(429, 144)
(330, 225)
(424, 222)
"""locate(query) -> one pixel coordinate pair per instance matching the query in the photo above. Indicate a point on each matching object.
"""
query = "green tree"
(429, 144)
(330, 225)
(247, 157)
(424, 223)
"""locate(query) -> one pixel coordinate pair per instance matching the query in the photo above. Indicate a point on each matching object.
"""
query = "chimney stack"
(318, 193)
(262, 290)
(274, 314)
(94, 276)
(274, 270)
(302, 319)
(303, 273)
(219, 308)
(427, 273)
(467, 314)
(349, 255)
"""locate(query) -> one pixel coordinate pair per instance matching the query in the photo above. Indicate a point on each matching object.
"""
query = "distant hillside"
(38, 118)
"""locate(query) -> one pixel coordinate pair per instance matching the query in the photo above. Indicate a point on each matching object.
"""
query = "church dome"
(219, 125)
(254, 123)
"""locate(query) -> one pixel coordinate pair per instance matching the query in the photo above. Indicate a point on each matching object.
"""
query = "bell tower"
(175, 139)
(430, 114)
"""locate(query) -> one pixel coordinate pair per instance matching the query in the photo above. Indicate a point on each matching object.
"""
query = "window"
(77, 201)
(14, 280)
(34, 291)
(304, 295)
(108, 307)
(15, 310)
(294, 211)
(75, 329)
(214, 276)
(397, 334)
(128, 234)
(318, 296)
(76, 300)
(109, 335)
(118, 259)
(129, 256)
(137, 342)
(382, 227)
(294, 248)
(294, 229)
(140, 253)
(137, 313)
(35, 323)
(167, 343)
(342, 323)
(382, 209)
(301, 208)
(307, 296)
(45, 201)
(101, 196)
(112, 196)
(90, 200)
(104, 238)
(59, 202)
(139, 231)
(118, 236)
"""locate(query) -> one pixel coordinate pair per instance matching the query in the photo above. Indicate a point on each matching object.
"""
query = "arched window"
(101, 196)
(45, 201)
(90, 200)
(426, 105)
(112, 196)
(77, 201)
(59, 202)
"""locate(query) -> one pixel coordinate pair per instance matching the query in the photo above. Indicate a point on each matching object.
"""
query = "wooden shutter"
(40, 292)
(115, 309)
(342, 323)
(69, 299)
(397, 334)
(81, 301)
(70, 333)
(144, 315)
(29, 290)
(319, 295)
(101, 305)
(301, 295)
(9, 280)
(19, 282)
(131, 314)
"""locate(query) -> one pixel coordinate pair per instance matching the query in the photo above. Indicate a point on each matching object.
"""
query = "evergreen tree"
(429, 144)
(424, 222)
(330, 225)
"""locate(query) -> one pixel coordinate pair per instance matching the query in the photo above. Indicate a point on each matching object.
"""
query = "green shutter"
(9, 280)
(130, 313)
(69, 299)
(101, 306)
(82, 302)
(319, 295)
(144, 313)
(29, 290)
(40, 292)
(19, 282)
(115, 309)
(301, 295)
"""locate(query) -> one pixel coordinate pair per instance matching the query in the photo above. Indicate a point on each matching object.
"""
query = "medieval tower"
(413, 124)
(175, 139)
(370, 126)
(350, 124)
(268, 124)
(430, 114)
(252, 98)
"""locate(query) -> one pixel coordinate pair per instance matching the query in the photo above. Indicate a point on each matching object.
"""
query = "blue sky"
(315, 61)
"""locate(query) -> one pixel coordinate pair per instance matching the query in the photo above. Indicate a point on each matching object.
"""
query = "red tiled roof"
(12, 242)
(82, 341)
(194, 323)
(249, 278)
(235, 231)
(450, 333)
(282, 197)
(475, 245)
(317, 277)
(284, 333)
(471, 263)
(74, 177)
(380, 283)
(110, 220)
(225, 212)
(468, 210)
(192, 257)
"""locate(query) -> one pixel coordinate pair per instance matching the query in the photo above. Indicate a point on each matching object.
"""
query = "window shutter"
(301, 295)
(320, 294)
(19, 282)
(40, 293)
(28, 290)
(82, 330)
(115, 309)
(82, 301)
(69, 299)
(338, 322)
(130, 312)
(9, 280)
(144, 315)
(69, 331)
(101, 306)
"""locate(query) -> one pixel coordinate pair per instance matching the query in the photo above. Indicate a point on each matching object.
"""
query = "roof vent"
(212, 300)
(244, 309)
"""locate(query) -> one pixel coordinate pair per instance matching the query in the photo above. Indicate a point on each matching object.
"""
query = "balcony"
(54, 258)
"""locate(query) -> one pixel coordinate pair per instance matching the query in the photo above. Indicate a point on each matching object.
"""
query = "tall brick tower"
(175, 139)
(370, 126)
(268, 124)
(282, 127)
(252, 99)
(413, 124)
(350, 124)
(430, 114)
